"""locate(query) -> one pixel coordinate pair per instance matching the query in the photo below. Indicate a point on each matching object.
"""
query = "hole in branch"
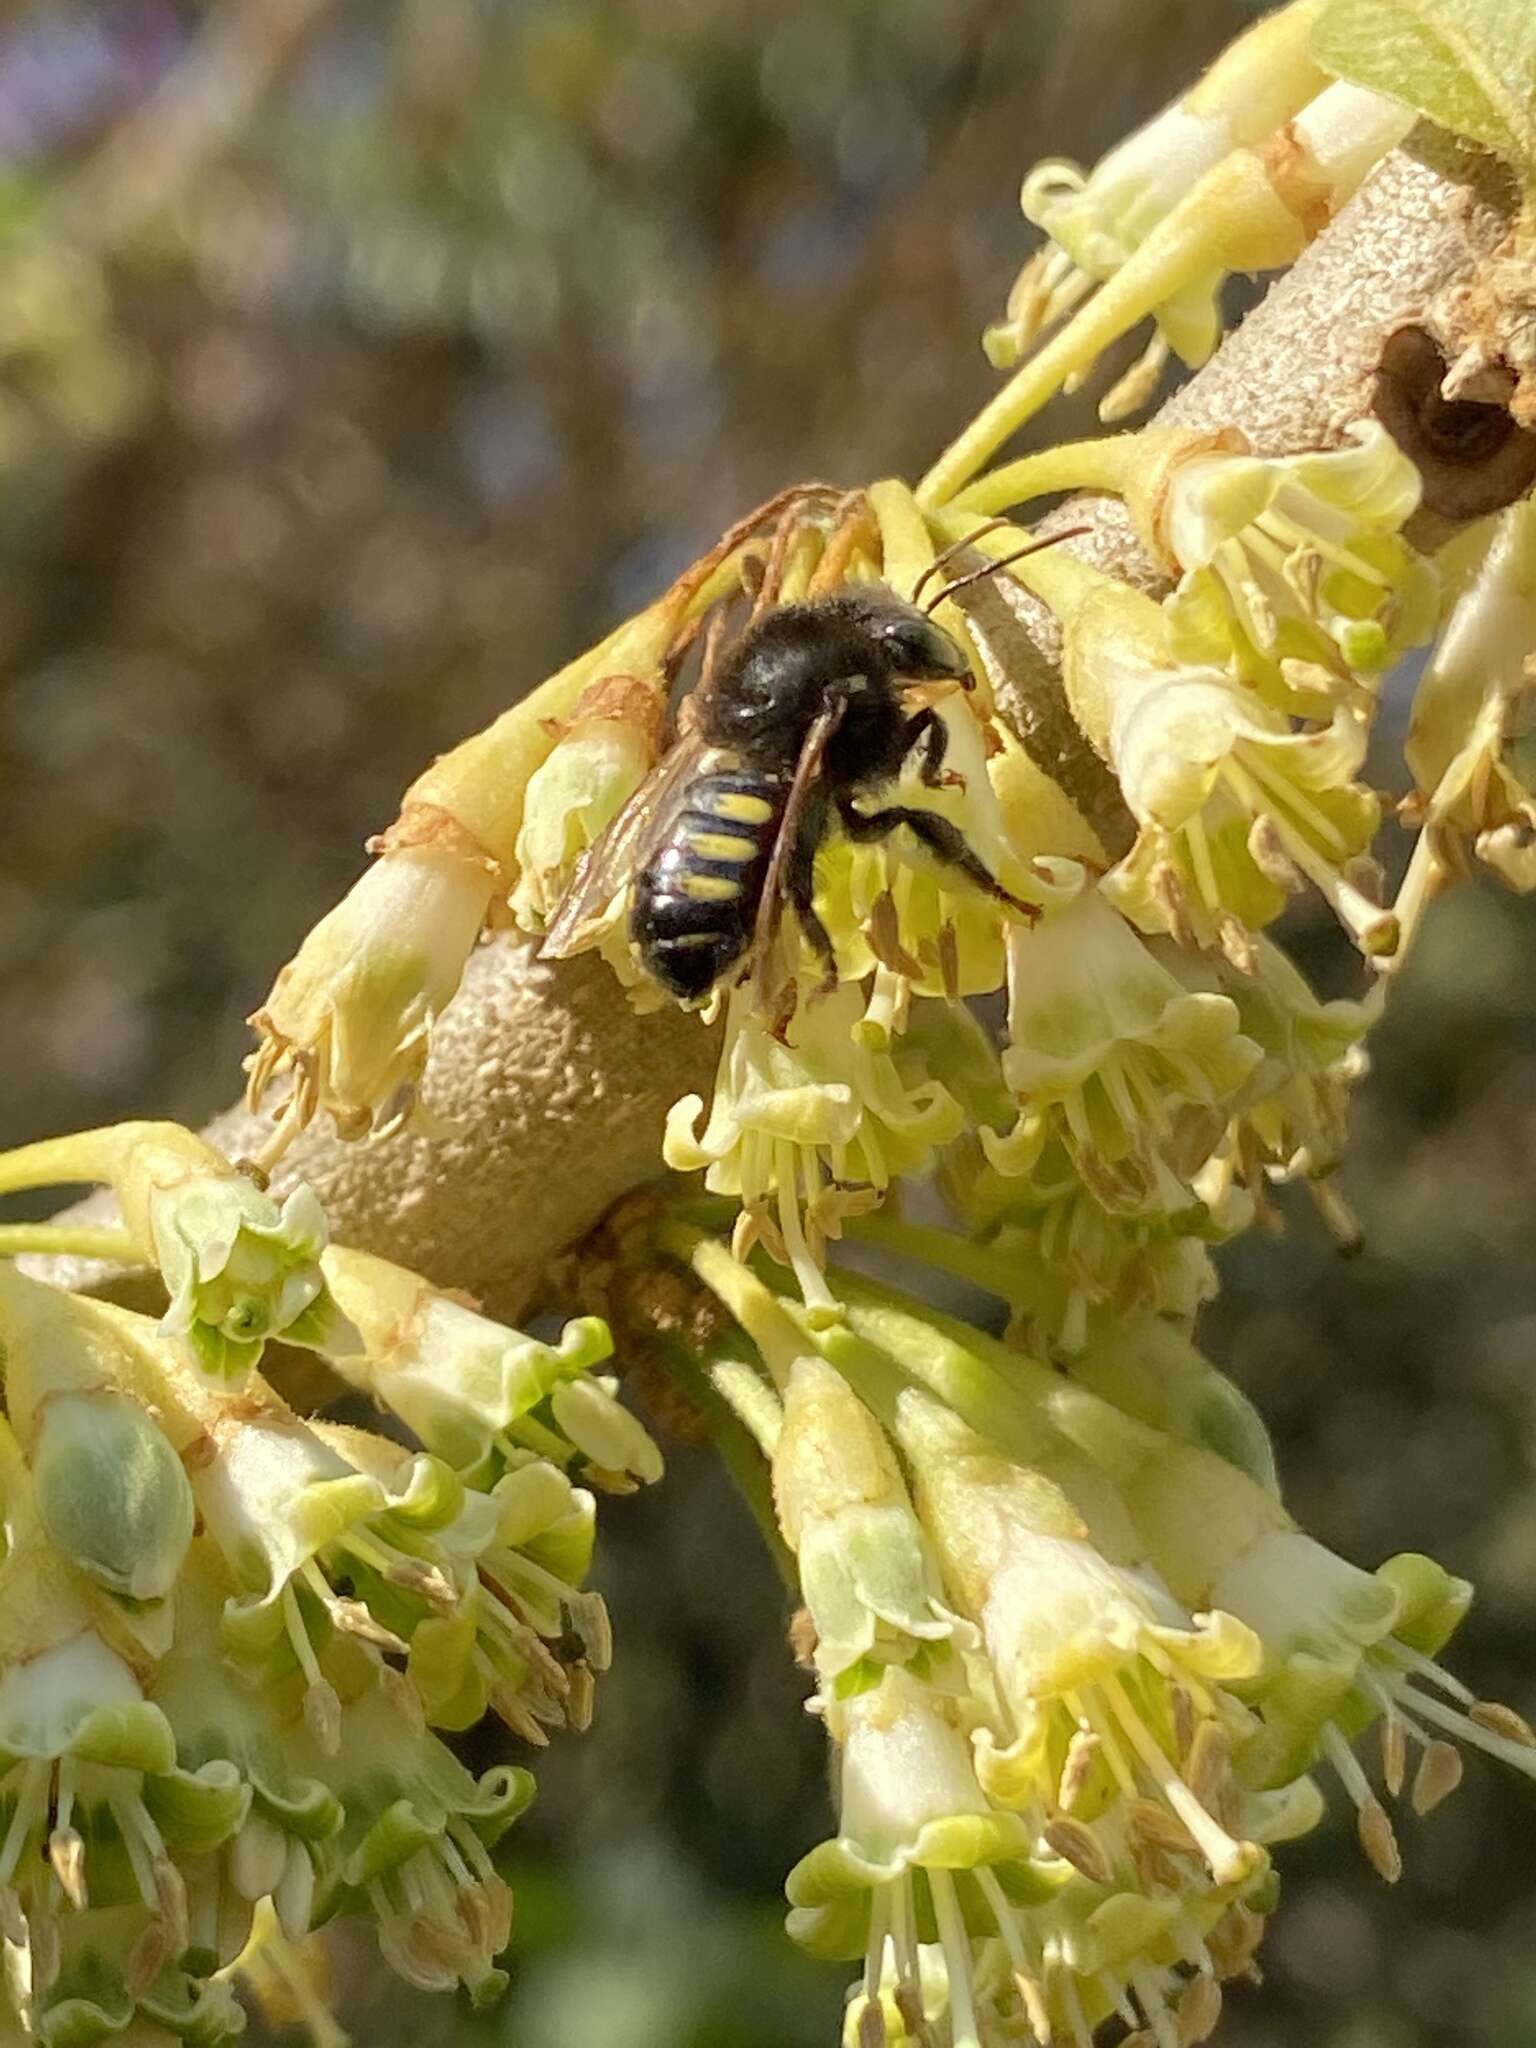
(1473, 457)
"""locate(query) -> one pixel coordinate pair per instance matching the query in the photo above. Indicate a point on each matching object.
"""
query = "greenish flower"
(910, 1812)
(807, 1128)
(1472, 740)
(1296, 558)
(1096, 222)
(1237, 808)
(414, 1852)
(1114, 1063)
(1296, 1116)
(1071, 1269)
(892, 912)
(867, 1576)
(474, 1390)
(351, 1015)
(239, 1270)
(1073, 1641)
(103, 1828)
(602, 756)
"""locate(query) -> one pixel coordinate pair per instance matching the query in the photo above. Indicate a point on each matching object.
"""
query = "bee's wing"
(770, 908)
(610, 861)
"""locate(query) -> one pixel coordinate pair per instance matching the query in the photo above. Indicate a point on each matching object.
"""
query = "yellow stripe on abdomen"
(710, 889)
(721, 846)
(738, 808)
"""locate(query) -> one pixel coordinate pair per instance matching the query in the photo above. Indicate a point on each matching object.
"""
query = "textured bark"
(554, 1091)
(544, 1102)
(1307, 362)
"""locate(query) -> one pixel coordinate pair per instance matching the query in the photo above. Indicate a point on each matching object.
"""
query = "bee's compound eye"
(919, 649)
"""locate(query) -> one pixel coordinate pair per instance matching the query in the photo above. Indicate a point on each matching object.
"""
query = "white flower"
(351, 1015)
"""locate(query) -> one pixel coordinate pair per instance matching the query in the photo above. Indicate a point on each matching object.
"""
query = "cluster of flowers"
(1078, 1665)
(227, 1632)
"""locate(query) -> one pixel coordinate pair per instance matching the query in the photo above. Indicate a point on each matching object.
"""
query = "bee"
(802, 721)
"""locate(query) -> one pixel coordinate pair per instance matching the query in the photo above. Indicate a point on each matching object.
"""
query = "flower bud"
(111, 1493)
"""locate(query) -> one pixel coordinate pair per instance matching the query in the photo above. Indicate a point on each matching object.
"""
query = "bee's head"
(913, 647)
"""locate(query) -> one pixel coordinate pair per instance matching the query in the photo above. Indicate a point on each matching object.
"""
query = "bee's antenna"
(980, 575)
(947, 555)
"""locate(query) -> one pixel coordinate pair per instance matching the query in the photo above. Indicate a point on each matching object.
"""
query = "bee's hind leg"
(946, 842)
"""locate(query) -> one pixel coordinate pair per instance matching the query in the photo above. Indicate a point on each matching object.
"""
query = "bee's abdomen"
(696, 898)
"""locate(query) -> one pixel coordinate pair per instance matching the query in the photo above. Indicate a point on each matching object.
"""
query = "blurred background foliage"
(358, 363)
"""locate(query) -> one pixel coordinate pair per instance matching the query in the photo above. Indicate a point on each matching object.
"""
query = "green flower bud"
(866, 1574)
(111, 1493)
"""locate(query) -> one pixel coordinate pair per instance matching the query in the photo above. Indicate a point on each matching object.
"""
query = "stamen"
(1199, 2011)
(1081, 1752)
(1394, 1750)
(1230, 1860)
(1470, 1729)
(322, 1709)
(351, 1616)
(1437, 1777)
(1395, 1651)
(1082, 2033)
(957, 1959)
(31, 1805)
(872, 2032)
(1372, 1825)
(1076, 1844)
(1149, 1997)
(66, 1852)
(1087, 1708)
(874, 1951)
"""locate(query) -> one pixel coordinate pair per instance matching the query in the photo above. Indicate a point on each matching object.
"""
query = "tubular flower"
(867, 1575)
(1081, 1653)
(238, 1267)
(807, 1128)
(961, 1914)
(1094, 223)
(480, 1395)
(1340, 1648)
(1472, 740)
(284, 1846)
(600, 758)
(1296, 559)
(1237, 808)
(1294, 1121)
(1122, 1076)
(413, 1853)
(351, 1015)
(911, 1817)
(1255, 209)
(1067, 1266)
(100, 1822)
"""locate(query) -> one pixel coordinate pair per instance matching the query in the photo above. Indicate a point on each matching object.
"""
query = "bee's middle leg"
(946, 842)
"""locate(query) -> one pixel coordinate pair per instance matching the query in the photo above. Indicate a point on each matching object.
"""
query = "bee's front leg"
(925, 728)
(946, 842)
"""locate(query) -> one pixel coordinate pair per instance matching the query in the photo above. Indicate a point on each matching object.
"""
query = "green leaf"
(1470, 65)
